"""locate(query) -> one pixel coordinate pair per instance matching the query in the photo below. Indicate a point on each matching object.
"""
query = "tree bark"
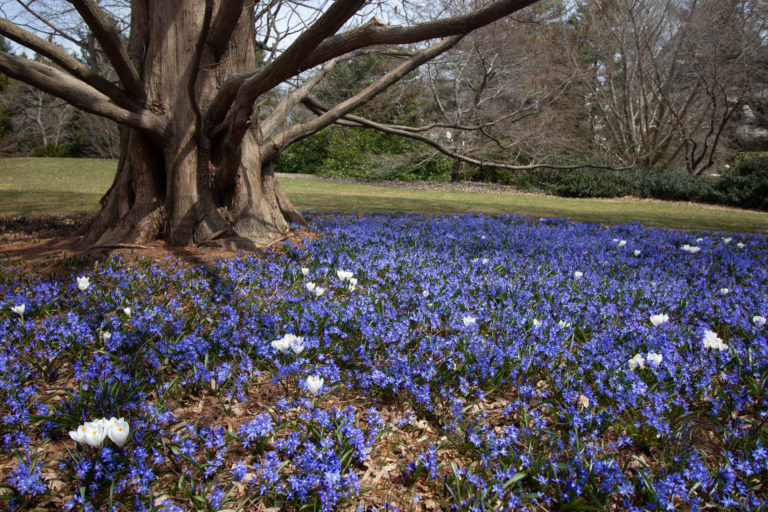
(186, 186)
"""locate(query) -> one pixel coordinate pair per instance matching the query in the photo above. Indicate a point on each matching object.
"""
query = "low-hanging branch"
(353, 121)
(66, 61)
(78, 93)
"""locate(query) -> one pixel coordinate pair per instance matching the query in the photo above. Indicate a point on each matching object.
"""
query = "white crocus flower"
(304, 271)
(654, 359)
(563, 324)
(578, 275)
(425, 293)
(713, 341)
(699, 240)
(95, 433)
(83, 283)
(19, 309)
(310, 286)
(352, 284)
(485, 261)
(127, 311)
(536, 323)
(637, 252)
(758, 320)
(657, 320)
(118, 431)
(283, 344)
(468, 320)
(297, 344)
(314, 384)
(622, 243)
(727, 240)
(725, 291)
(740, 245)
(319, 291)
(636, 362)
(106, 335)
(79, 434)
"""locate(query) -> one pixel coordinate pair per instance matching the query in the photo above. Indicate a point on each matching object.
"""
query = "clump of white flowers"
(637, 361)
(713, 341)
(468, 320)
(657, 320)
(289, 342)
(344, 275)
(578, 275)
(758, 320)
(693, 249)
(313, 288)
(93, 433)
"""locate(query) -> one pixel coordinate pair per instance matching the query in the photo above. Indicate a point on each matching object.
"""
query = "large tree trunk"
(188, 188)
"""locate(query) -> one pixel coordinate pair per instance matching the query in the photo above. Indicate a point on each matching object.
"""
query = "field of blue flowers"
(396, 361)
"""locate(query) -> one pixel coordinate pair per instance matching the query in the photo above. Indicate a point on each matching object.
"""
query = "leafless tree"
(668, 75)
(39, 119)
(195, 157)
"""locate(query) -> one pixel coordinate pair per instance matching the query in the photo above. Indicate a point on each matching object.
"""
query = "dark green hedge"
(744, 185)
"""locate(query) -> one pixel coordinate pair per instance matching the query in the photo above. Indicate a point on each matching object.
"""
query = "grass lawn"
(48, 186)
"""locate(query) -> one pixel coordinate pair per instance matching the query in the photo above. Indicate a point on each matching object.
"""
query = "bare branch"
(108, 36)
(67, 62)
(274, 146)
(379, 33)
(78, 93)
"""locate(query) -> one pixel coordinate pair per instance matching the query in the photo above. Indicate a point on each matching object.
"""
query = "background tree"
(667, 76)
(195, 157)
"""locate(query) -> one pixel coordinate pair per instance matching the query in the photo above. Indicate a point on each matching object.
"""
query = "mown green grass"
(51, 186)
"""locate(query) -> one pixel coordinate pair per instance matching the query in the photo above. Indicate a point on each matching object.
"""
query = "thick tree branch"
(379, 33)
(353, 121)
(274, 146)
(109, 38)
(78, 93)
(67, 63)
(224, 26)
